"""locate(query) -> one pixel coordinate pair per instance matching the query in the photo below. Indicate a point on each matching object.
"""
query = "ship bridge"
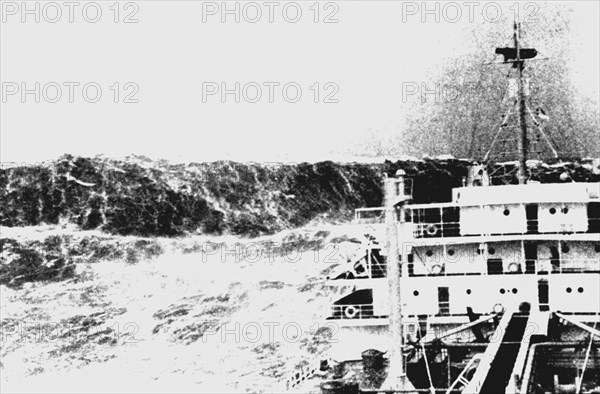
(510, 209)
(529, 193)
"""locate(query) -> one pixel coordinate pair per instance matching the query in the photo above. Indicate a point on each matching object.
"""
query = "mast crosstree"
(517, 57)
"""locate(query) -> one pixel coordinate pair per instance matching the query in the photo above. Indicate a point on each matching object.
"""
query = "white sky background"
(170, 52)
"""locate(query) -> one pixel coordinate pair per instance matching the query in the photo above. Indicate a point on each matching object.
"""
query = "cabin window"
(411, 266)
(450, 252)
(530, 257)
(580, 290)
(444, 300)
(555, 260)
(565, 210)
(429, 253)
(416, 293)
(451, 220)
(531, 213)
(565, 249)
(569, 290)
(552, 211)
(515, 291)
(502, 291)
(468, 291)
(506, 212)
(593, 213)
(431, 215)
(543, 295)
(597, 248)
(495, 266)
(491, 251)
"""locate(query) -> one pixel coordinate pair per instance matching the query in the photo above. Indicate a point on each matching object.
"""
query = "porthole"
(506, 212)
(515, 291)
(429, 253)
(580, 290)
(502, 291)
(597, 248)
(565, 210)
(565, 249)
(468, 291)
(552, 211)
(450, 252)
(569, 290)
(416, 293)
(491, 250)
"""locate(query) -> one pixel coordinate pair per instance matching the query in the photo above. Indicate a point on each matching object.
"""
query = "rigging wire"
(587, 357)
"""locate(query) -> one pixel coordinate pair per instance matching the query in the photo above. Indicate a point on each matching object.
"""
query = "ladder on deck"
(462, 379)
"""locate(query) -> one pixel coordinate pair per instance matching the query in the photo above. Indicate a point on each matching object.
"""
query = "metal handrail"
(369, 215)
(452, 229)
(564, 266)
(462, 380)
(363, 311)
(477, 380)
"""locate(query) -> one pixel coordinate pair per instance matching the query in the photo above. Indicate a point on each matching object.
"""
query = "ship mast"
(517, 56)
(395, 196)
(522, 140)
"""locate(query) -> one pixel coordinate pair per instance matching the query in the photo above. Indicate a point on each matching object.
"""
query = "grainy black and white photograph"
(309, 197)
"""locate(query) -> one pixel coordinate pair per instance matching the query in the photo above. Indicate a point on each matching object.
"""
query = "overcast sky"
(179, 52)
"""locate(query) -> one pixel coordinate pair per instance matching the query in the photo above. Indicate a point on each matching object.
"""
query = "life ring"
(432, 230)
(350, 312)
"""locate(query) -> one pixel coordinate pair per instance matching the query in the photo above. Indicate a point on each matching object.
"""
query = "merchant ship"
(494, 291)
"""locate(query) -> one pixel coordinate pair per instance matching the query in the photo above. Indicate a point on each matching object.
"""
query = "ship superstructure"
(495, 291)
(490, 246)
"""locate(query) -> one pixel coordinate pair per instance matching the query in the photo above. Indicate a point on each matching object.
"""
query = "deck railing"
(369, 215)
(453, 229)
(434, 230)
(352, 311)
(529, 267)
(441, 229)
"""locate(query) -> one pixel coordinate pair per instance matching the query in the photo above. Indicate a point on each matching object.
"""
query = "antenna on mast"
(516, 56)
(522, 175)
